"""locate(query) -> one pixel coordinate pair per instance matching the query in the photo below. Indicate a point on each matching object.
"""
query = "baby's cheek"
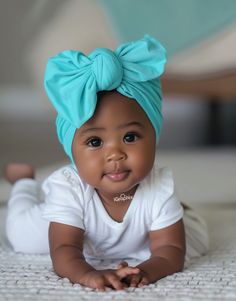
(89, 170)
(142, 165)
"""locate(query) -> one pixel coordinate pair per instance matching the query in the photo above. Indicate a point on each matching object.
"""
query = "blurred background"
(199, 135)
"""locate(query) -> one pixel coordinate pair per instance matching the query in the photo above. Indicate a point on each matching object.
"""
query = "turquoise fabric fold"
(72, 81)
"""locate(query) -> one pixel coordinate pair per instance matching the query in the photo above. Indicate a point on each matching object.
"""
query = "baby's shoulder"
(160, 177)
(67, 177)
(159, 183)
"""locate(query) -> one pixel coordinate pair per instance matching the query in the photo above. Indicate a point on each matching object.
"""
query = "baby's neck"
(119, 198)
(117, 205)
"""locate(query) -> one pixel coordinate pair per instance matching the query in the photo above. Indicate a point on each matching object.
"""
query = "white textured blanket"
(212, 277)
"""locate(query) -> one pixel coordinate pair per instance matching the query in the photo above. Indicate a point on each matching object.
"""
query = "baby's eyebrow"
(85, 131)
(122, 126)
(132, 123)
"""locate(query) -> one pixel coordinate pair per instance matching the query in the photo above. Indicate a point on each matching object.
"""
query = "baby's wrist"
(144, 272)
(78, 271)
(85, 277)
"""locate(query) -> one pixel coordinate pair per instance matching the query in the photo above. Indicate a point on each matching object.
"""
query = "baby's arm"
(66, 249)
(167, 255)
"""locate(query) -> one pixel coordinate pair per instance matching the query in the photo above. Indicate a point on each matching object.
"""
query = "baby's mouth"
(117, 176)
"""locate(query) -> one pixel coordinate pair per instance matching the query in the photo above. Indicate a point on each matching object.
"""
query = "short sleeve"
(64, 198)
(166, 209)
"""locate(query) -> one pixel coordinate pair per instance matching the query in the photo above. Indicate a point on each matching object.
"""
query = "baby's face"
(115, 149)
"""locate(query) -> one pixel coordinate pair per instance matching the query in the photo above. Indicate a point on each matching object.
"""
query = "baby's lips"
(117, 176)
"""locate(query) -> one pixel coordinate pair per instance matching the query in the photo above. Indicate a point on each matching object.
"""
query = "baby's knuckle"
(99, 282)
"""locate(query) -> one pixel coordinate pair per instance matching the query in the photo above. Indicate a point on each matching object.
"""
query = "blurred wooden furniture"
(214, 88)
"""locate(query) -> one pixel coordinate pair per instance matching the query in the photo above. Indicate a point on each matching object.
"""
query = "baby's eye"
(130, 137)
(94, 142)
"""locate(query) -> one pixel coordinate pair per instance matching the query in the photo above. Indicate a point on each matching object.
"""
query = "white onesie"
(71, 201)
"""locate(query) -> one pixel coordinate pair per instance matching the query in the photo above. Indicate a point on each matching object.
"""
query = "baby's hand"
(100, 279)
(136, 279)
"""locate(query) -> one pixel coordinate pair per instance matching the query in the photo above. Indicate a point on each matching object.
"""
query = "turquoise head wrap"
(73, 79)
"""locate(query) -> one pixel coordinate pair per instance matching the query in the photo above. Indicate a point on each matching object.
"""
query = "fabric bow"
(73, 79)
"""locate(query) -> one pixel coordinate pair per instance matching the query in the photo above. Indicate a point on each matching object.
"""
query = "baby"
(113, 201)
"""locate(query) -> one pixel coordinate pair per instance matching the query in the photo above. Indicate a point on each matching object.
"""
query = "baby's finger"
(122, 264)
(134, 280)
(144, 281)
(123, 272)
(115, 282)
(101, 289)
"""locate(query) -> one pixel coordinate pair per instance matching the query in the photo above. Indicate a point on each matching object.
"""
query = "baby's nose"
(116, 155)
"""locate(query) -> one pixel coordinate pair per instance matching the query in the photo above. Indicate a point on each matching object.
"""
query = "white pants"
(27, 231)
